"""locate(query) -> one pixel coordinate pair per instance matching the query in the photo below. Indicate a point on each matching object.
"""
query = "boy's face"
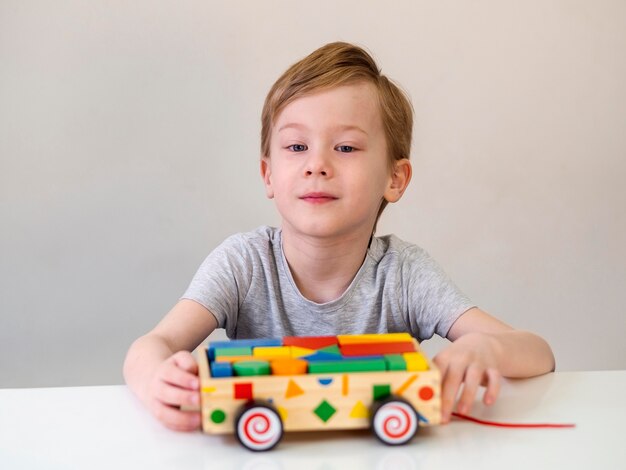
(328, 168)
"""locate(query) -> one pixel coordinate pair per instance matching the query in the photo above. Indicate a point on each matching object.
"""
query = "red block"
(311, 342)
(243, 391)
(375, 349)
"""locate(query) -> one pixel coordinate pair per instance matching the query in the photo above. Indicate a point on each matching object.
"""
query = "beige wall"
(129, 145)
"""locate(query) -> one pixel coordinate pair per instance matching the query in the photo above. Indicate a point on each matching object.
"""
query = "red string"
(512, 425)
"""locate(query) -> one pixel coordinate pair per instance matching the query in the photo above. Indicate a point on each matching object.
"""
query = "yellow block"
(374, 338)
(271, 352)
(415, 361)
(297, 351)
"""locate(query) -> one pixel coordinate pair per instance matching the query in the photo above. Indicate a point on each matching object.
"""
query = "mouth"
(318, 198)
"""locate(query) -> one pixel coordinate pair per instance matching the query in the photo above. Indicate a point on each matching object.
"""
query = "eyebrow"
(340, 127)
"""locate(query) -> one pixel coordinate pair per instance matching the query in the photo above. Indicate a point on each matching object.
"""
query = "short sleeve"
(433, 301)
(222, 281)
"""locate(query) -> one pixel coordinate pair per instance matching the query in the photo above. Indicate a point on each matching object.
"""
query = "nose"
(318, 164)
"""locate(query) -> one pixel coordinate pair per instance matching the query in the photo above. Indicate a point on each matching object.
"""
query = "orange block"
(233, 359)
(288, 366)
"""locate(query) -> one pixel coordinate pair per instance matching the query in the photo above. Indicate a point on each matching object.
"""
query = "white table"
(106, 427)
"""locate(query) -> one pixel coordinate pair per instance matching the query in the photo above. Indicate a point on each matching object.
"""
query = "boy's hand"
(471, 361)
(174, 384)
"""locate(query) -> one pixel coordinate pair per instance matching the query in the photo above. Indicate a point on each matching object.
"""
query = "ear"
(266, 174)
(398, 180)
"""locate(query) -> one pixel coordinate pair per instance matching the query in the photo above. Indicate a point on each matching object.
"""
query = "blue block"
(221, 369)
(322, 356)
(242, 343)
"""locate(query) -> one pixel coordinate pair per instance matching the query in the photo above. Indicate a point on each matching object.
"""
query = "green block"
(347, 365)
(381, 391)
(241, 351)
(395, 362)
(334, 349)
(250, 368)
(324, 411)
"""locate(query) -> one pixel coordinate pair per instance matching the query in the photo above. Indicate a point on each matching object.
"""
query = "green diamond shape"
(324, 411)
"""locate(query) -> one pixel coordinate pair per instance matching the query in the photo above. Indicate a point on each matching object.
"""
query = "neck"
(324, 268)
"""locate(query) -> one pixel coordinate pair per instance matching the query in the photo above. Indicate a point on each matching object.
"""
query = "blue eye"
(297, 147)
(345, 148)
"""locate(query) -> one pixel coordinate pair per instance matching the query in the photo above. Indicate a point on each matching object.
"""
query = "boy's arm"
(483, 350)
(160, 369)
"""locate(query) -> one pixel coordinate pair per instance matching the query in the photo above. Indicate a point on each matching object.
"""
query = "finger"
(450, 389)
(176, 396)
(172, 374)
(185, 361)
(175, 419)
(473, 377)
(442, 363)
(494, 379)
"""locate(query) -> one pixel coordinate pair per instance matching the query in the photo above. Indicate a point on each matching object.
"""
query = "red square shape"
(243, 391)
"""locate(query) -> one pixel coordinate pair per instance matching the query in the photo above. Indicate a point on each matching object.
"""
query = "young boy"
(335, 144)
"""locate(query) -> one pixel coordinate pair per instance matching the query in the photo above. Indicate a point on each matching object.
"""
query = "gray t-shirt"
(246, 283)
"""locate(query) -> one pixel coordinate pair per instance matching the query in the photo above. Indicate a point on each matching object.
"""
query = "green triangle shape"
(334, 349)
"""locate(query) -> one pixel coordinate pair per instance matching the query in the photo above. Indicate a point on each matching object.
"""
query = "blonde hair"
(334, 65)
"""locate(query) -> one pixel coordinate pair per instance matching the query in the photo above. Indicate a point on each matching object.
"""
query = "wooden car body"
(342, 387)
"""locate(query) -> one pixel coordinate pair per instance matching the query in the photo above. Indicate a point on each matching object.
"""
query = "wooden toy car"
(258, 388)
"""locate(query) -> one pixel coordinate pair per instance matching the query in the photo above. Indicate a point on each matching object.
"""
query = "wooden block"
(243, 351)
(346, 365)
(297, 351)
(334, 349)
(289, 366)
(241, 343)
(374, 338)
(251, 343)
(311, 342)
(272, 352)
(369, 349)
(221, 369)
(321, 356)
(237, 358)
(395, 362)
(250, 368)
(415, 361)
